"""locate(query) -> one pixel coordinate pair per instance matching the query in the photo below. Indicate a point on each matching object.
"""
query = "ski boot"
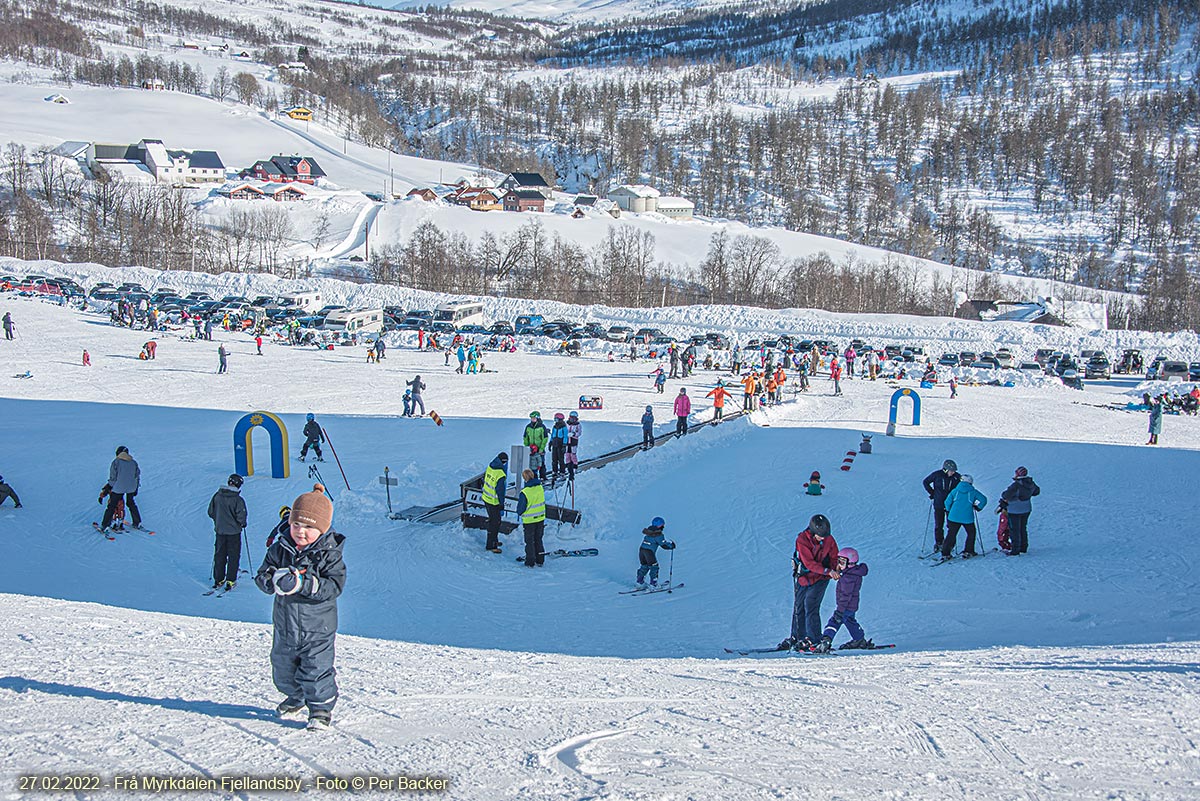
(857, 644)
(822, 647)
(229, 585)
(318, 720)
(289, 709)
(802, 645)
(785, 644)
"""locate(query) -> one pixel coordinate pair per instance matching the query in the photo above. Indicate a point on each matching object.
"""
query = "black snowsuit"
(305, 623)
(8, 492)
(228, 512)
(313, 437)
(939, 485)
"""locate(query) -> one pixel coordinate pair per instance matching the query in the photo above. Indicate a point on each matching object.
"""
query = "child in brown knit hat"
(305, 572)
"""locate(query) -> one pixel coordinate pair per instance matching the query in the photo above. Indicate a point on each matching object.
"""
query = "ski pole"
(333, 450)
(928, 524)
(671, 571)
(246, 541)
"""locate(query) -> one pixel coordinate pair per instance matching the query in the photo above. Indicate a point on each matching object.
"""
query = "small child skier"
(304, 571)
(814, 485)
(408, 403)
(652, 540)
(848, 588)
(648, 428)
(537, 462)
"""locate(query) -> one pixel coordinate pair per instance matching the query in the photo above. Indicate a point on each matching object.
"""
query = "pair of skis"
(651, 590)
(111, 538)
(944, 559)
(560, 553)
(777, 649)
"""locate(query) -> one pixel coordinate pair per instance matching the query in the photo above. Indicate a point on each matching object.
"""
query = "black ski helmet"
(950, 466)
(819, 525)
(235, 481)
(122, 449)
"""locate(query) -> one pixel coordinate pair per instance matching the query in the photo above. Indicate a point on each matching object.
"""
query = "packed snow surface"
(1069, 672)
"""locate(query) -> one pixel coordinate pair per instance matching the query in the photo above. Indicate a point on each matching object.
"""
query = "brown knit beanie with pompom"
(313, 509)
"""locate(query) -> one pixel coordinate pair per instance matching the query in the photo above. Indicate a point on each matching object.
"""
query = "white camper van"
(308, 301)
(459, 313)
(355, 321)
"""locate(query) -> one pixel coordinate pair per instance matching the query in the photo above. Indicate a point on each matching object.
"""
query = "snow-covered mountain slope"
(239, 134)
(101, 690)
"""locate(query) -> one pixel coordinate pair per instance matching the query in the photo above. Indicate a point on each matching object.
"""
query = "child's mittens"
(287, 580)
(670, 546)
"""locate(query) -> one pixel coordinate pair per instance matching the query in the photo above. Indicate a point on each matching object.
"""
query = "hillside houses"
(167, 166)
(302, 113)
(640, 198)
(524, 200)
(529, 181)
(284, 169)
(258, 190)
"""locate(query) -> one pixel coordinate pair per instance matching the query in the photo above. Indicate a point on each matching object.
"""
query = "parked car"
(1064, 364)
(1042, 355)
(981, 365)
(1173, 370)
(472, 328)
(1005, 358)
(1152, 372)
(989, 359)
(1071, 379)
(717, 341)
(526, 323)
(1098, 367)
(949, 360)
(1130, 362)
(421, 314)
(619, 333)
(1030, 367)
(1194, 371)
(805, 346)
(892, 351)
(648, 334)
(966, 357)
(503, 328)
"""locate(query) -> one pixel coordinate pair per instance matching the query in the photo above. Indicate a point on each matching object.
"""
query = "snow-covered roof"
(71, 149)
(637, 190)
(671, 202)
(56, 98)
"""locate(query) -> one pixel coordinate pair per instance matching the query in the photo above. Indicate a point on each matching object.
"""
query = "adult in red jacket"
(683, 407)
(813, 564)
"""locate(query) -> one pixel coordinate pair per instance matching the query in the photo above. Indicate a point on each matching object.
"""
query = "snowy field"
(1067, 673)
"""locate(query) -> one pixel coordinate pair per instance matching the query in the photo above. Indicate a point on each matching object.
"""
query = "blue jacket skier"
(652, 540)
(961, 505)
(648, 428)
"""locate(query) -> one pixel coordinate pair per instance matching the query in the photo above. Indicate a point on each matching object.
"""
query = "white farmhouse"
(635, 197)
(678, 208)
(167, 166)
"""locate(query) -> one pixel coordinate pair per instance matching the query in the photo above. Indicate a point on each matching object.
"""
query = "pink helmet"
(849, 554)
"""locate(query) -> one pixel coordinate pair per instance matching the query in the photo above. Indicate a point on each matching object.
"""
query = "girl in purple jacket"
(848, 588)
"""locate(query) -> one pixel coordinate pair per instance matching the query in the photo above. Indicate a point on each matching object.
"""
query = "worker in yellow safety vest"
(495, 486)
(531, 508)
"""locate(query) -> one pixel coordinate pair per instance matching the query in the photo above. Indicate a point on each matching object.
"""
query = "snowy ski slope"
(1046, 676)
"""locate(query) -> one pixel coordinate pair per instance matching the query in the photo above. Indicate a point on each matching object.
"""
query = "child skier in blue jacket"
(652, 540)
(961, 505)
(648, 428)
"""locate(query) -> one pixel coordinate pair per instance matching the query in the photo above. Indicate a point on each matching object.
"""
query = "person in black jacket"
(8, 492)
(938, 485)
(228, 512)
(305, 572)
(313, 437)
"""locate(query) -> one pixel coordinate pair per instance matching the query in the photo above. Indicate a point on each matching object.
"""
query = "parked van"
(459, 312)
(355, 321)
(308, 301)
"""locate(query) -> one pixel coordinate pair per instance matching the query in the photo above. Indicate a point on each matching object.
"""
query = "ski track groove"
(277, 743)
(565, 754)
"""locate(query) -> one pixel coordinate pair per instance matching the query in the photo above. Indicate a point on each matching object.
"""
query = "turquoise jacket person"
(963, 502)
